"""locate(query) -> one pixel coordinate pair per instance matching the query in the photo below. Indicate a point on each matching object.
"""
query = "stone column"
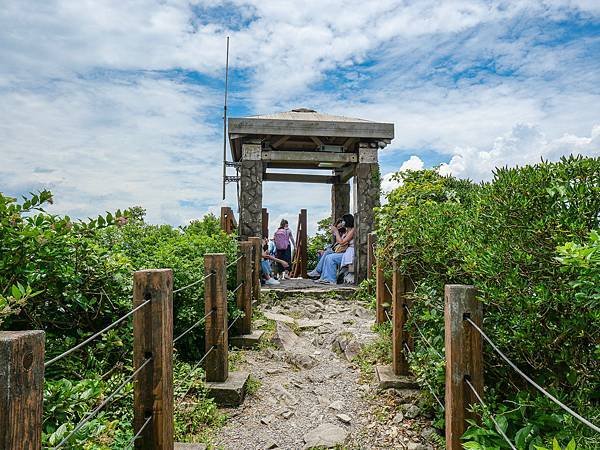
(366, 197)
(340, 200)
(251, 173)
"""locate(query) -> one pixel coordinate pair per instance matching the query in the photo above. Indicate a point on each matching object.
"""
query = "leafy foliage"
(528, 240)
(72, 279)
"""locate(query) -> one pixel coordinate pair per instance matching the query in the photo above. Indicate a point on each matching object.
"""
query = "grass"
(253, 385)
(376, 352)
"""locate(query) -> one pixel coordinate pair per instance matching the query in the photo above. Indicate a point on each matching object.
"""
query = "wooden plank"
(244, 294)
(463, 359)
(215, 300)
(380, 293)
(302, 156)
(346, 172)
(256, 259)
(279, 141)
(153, 338)
(21, 389)
(299, 178)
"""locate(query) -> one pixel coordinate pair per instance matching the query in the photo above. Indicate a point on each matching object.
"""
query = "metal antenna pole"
(225, 120)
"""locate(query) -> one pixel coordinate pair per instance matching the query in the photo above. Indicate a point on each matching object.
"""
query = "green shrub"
(526, 240)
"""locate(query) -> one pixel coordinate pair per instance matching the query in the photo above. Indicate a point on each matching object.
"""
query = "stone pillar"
(340, 200)
(251, 173)
(366, 197)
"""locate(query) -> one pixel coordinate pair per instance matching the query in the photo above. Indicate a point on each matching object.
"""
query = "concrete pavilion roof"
(306, 130)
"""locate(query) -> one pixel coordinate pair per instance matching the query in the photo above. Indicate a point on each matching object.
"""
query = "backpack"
(281, 239)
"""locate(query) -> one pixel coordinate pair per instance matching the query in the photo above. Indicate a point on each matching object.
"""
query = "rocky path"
(309, 394)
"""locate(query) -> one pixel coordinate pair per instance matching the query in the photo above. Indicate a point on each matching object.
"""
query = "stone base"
(388, 380)
(247, 340)
(182, 446)
(230, 392)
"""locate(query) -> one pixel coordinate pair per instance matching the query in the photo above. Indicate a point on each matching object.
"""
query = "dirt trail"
(309, 394)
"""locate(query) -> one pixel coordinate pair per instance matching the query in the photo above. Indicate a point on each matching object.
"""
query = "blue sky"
(112, 104)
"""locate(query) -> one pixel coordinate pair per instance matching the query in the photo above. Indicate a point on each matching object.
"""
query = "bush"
(527, 241)
(72, 279)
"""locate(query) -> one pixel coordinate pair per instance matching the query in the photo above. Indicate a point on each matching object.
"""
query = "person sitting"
(330, 248)
(283, 242)
(343, 252)
(265, 265)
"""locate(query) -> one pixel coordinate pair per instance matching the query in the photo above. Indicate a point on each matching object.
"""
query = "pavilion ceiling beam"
(279, 141)
(299, 178)
(316, 157)
(316, 140)
(346, 173)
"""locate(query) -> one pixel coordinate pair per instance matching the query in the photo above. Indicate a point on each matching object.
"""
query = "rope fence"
(153, 350)
(463, 351)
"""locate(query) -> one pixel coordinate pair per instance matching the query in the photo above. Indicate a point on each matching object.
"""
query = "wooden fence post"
(400, 335)
(464, 358)
(153, 338)
(21, 389)
(244, 293)
(256, 243)
(265, 223)
(215, 299)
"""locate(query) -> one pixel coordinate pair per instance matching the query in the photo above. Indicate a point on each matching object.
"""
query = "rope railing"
(529, 380)
(106, 401)
(96, 335)
(237, 288)
(407, 309)
(191, 371)
(199, 322)
(139, 433)
(429, 386)
(194, 283)
(486, 409)
(232, 263)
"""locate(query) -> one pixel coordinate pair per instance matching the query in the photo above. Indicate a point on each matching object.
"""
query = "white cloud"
(90, 108)
(412, 163)
(525, 144)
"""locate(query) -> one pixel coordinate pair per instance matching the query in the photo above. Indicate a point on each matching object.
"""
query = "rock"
(274, 371)
(415, 446)
(280, 318)
(337, 405)
(284, 337)
(287, 414)
(344, 418)
(410, 411)
(352, 350)
(323, 400)
(398, 418)
(428, 433)
(270, 445)
(325, 435)
(267, 420)
(305, 324)
(284, 396)
(408, 395)
(301, 360)
(346, 344)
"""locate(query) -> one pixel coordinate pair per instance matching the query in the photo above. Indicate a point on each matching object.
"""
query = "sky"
(111, 104)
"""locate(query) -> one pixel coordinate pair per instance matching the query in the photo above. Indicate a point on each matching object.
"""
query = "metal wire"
(387, 315)
(193, 284)
(388, 288)
(92, 414)
(94, 336)
(238, 287)
(537, 386)
(139, 433)
(192, 371)
(194, 326)
(490, 414)
(231, 324)
(234, 262)
(407, 348)
(422, 334)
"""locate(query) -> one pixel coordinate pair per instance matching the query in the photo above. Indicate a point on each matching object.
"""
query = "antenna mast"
(225, 120)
